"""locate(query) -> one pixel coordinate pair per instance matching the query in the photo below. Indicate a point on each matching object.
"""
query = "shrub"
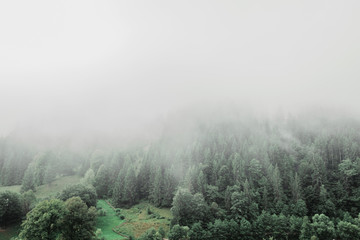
(149, 211)
(101, 212)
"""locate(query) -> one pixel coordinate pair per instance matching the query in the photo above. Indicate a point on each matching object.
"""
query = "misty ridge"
(179, 120)
(181, 124)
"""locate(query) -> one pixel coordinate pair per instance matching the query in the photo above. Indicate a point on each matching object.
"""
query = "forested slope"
(231, 176)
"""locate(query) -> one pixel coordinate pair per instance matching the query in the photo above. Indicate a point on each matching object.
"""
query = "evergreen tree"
(347, 230)
(296, 188)
(119, 190)
(89, 177)
(143, 180)
(50, 175)
(102, 181)
(41, 164)
(157, 188)
(224, 179)
(178, 232)
(188, 209)
(28, 200)
(306, 229)
(323, 227)
(28, 180)
(169, 186)
(243, 207)
(197, 232)
(130, 190)
(276, 183)
(202, 183)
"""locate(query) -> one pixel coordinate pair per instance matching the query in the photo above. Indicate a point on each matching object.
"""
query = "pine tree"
(169, 184)
(275, 178)
(130, 187)
(157, 188)
(50, 175)
(89, 177)
(28, 180)
(119, 191)
(224, 178)
(143, 181)
(41, 163)
(202, 182)
(306, 229)
(296, 188)
(102, 181)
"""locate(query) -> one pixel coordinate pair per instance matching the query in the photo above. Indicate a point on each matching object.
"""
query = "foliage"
(45, 221)
(28, 200)
(289, 179)
(151, 234)
(347, 230)
(28, 182)
(54, 219)
(10, 208)
(139, 220)
(79, 220)
(86, 193)
(188, 209)
(101, 182)
(178, 232)
(89, 178)
(323, 227)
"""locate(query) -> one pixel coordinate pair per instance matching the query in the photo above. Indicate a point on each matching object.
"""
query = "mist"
(119, 68)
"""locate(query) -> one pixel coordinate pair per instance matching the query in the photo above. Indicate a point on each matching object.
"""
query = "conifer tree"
(157, 188)
(130, 187)
(119, 190)
(102, 181)
(28, 180)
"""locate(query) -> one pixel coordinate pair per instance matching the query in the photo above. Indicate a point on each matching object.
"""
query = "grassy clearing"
(47, 191)
(50, 190)
(143, 216)
(108, 222)
(14, 188)
(9, 232)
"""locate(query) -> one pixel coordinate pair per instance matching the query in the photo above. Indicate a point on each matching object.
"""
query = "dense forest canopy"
(231, 174)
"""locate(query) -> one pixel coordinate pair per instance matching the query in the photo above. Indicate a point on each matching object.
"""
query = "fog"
(117, 67)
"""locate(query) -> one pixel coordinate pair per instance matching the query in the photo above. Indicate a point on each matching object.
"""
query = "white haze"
(109, 67)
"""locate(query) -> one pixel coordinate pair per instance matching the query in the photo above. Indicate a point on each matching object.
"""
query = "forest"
(223, 176)
(179, 120)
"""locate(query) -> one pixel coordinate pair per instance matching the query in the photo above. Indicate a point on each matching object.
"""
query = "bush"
(98, 235)
(149, 212)
(178, 232)
(101, 212)
(86, 193)
(10, 208)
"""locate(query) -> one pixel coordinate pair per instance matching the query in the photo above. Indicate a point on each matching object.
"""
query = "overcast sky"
(102, 64)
